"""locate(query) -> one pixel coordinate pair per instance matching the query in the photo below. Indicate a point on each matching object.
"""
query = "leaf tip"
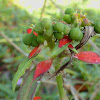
(34, 52)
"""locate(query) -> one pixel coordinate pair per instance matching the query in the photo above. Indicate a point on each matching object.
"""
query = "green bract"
(38, 28)
(59, 15)
(40, 39)
(69, 11)
(49, 32)
(97, 27)
(46, 23)
(75, 23)
(67, 18)
(73, 16)
(59, 27)
(34, 42)
(75, 34)
(58, 35)
(27, 38)
(66, 29)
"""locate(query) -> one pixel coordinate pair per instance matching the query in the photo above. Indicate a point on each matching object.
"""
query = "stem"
(42, 11)
(50, 42)
(57, 7)
(59, 80)
(13, 44)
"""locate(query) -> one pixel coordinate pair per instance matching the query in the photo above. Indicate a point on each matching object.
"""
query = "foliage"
(14, 23)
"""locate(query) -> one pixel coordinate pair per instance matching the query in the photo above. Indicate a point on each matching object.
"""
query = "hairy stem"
(13, 44)
(59, 80)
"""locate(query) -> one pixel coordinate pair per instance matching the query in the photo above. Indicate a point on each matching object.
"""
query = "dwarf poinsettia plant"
(52, 41)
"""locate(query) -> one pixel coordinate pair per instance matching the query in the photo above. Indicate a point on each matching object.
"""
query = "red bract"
(29, 31)
(42, 67)
(63, 22)
(64, 41)
(88, 56)
(34, 52)
(37, 98)
(70, 46)
(35, 33)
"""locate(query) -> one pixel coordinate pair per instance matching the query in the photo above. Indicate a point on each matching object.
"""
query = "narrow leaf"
(64, 41)
(74, 50)
(42, 67)
(28, 88)
(44, 54)
(22, 67)
(34, 52)
(88, 56)
(56, 50)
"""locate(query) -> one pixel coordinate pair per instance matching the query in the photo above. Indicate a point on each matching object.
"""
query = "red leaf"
(29, 30)
(37, 98)
(42, 67)
(64, 41)
(35, 33)
(34, 52)
(89, 57)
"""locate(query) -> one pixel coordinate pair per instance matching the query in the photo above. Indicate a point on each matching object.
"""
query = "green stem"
(50, 42)
(42, 11)
(59, 80)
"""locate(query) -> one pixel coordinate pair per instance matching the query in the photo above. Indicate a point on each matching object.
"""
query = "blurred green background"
(16, 16)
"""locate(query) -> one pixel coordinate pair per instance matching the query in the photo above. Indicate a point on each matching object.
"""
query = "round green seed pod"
(58, 27)
(34, 44)
(97, 27)
(66, 29)
(69, 11)
(40, 39)
(46, 23)
(80, 37)
(58, 35)
(67, 18)
(75, 34)
(49, 32)
(38, 29)
(34, 41)
(27, 38)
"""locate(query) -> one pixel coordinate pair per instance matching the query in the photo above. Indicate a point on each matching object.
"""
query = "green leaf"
(22, 67)
(74, 50)
(28, 88)
(43, 55)
(58, 50)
